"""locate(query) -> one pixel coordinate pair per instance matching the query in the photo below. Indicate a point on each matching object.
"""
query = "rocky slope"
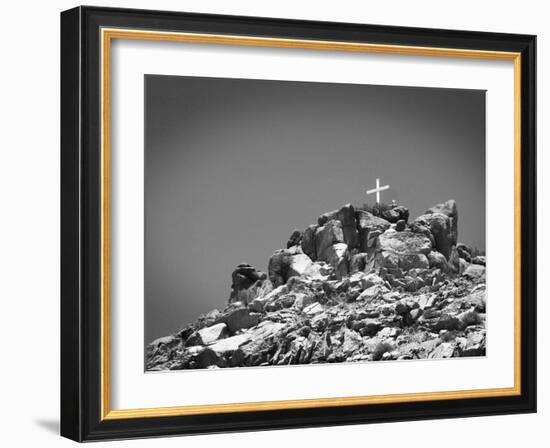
(353, 287)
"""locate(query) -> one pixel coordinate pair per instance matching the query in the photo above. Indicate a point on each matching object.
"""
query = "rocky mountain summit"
(356, 286)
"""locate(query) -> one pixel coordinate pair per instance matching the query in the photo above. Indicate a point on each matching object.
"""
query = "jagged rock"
(352, 342)
(241, 318)
(413, 261)
(463, 265)
(245, 282)
(314, 308)
(295, 238)
(256, 349)
(479, 260)
(327, 235)
(346, 217)
(165, 343)
(370, 280)
(454, 261)
(285, 264)
(475, 272)
(367, 327)
(357, 262)
(338, 257)
(400, 225)
(369, 227)
(404, 243)
(438, 261)
(203, 357)
(211, 334)
(229, 345)
(308, 242)
(372, 293)
(395, 214)
(394, 295)
(464, 252)
(444, 350)
(299, 265)
(302, 300)
(448, 209)
(278, 267)
(258, 303)
(440, 227)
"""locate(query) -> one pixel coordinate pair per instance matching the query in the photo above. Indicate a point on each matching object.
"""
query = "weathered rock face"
(464, 252)
(440, 227)
(308, 242)
(352, 288)
(295, 238)
(245, 283)
(448, 209)
(404, 243)
(285, 264)
(370, 227)
(396, 214)
(337, 255)
(438, 261)
(240, 318)
(327, 235)
(208, 335)
(346, 217)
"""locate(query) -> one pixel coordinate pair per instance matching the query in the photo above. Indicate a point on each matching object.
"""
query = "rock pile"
(352, 287)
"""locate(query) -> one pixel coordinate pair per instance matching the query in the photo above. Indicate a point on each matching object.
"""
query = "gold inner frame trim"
(107, 35)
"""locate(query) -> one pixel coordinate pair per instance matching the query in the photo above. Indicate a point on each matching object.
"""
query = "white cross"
(377, 190)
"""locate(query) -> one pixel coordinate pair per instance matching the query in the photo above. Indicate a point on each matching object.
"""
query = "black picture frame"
(81, 224)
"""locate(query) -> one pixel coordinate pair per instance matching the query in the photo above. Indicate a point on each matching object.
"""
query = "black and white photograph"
(294, 223)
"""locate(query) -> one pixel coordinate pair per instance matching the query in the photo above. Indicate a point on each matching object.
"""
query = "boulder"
(295, 238)
(463, 265)
(448, 209)
(400, 225)
(299, 265)
(199, 357)
(346, 217)
(285, 263)
(241, 318)
(404, 243)
(413, 261)
(302, 300)
(278, 267)
(479, 259)
(308, 242)
(338, 257)
(438, 261)
(440, 228)
(357, 262)
(395, 214)
(475, 272)
(230, 345)
(245, 281)
(327, 235)
(369, 227)
(443, 350)
(255, 350)
(464, 252)
(372, 293)
(211, 334)
(370, 280)
(259, 303)
(313, 309)
(454, 261)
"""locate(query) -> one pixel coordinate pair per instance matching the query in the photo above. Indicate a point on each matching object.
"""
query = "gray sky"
(232, 166)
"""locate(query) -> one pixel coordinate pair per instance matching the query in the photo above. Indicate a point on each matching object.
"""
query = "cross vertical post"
(378, 189)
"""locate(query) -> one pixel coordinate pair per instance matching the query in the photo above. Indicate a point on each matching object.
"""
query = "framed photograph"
(275, 224)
